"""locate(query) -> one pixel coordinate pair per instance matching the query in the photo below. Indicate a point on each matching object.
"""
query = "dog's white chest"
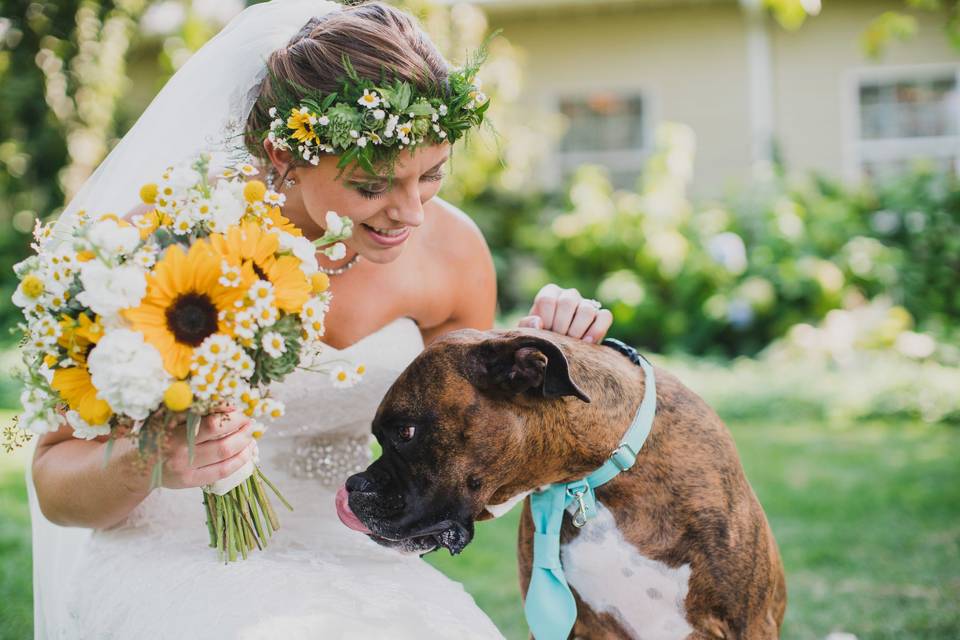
(645, 596)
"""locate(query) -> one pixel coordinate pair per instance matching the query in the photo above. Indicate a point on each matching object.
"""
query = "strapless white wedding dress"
(153, 576)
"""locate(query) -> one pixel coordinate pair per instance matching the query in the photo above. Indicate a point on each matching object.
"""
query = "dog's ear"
(524, 363)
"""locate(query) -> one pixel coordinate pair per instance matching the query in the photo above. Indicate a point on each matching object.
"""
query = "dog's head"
(457, 430)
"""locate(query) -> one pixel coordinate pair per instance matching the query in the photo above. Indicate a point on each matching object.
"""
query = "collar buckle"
(623, 457)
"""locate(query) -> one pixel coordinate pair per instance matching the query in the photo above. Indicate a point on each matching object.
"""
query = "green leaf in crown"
(370, 123)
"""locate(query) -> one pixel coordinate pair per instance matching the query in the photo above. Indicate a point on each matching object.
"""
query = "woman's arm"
(77, 487)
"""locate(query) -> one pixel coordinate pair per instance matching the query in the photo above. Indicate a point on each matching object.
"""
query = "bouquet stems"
(243, 518)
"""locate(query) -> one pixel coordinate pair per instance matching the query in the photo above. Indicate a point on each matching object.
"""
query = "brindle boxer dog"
(680, 547)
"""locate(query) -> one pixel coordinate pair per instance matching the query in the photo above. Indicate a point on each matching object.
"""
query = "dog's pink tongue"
(346, 515)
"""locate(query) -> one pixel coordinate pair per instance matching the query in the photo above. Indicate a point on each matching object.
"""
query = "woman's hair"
(376, 38)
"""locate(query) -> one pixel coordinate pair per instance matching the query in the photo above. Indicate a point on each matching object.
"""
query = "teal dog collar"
(549, 605)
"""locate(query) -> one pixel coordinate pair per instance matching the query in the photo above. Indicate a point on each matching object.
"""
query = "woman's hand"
(224, 443)
(566, 312)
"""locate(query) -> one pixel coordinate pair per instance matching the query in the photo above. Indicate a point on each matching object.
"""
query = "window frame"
(859, 151)
(620, 159)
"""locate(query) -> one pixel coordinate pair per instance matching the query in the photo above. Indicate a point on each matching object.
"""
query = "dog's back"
(681, 546)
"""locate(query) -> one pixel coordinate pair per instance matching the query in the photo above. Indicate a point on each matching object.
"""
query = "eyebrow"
(363, 177)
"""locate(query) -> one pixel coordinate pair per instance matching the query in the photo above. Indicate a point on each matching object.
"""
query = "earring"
(289, 182)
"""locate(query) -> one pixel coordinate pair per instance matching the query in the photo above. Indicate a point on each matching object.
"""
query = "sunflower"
(75, 386)
(183, 303)
(282, 223)
(299, 123)
(76, 336)
(291, 288)
(249, 244)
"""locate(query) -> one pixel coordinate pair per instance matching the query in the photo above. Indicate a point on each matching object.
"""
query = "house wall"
(690, 61)
(815, 70)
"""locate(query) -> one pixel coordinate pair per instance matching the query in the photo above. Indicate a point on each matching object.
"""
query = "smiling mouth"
(383, 231)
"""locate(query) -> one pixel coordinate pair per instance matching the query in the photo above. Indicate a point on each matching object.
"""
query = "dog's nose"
(361, 483)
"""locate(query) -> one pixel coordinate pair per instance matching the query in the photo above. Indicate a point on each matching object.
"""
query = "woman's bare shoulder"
(453, 235)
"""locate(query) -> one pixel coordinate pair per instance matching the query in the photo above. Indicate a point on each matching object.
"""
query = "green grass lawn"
(867, 518)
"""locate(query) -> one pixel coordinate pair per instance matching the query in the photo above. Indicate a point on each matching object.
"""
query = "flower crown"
(369, 123)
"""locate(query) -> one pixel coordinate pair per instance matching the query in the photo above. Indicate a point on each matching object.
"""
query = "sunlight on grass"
(865, 515)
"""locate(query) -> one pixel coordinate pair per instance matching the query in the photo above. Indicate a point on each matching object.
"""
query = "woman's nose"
(407, 209)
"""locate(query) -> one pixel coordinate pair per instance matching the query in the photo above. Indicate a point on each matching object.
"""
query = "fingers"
(601, 324)
(566, 312)
(220, 470)
(584, 317)
(567, 305)
(213, 451)
(218, 425)
(531, 322)
(545, 305)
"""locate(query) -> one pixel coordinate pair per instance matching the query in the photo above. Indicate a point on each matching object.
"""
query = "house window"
(608, 129)
(905, 118)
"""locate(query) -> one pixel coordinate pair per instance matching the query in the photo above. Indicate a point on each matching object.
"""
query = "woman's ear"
(280, 158)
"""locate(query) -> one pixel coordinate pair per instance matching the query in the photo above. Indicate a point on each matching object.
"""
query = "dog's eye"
(405, 433)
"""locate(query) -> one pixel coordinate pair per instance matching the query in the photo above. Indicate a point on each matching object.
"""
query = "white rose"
(334, 223)
(84, 430)
(128, 373)
(227, 204)
(303, 249)
(112, 239)
(38, 415)
(182, 178)
(108, 290)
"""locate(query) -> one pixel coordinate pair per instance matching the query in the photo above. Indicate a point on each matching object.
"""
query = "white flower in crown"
(391, 126)
(272, 112)
(442, 109)
(323, 121)
(362, 141)
(369, 99)
(379, 114)
(403, 132)
(247, 169)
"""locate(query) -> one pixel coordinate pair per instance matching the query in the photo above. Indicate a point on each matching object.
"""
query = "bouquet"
(134, 329)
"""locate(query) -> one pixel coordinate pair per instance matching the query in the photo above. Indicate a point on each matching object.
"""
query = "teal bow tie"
(549, 606)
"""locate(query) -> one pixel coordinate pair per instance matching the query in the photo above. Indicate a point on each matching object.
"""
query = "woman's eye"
(406, 433)
(370, 191)
(432, 177)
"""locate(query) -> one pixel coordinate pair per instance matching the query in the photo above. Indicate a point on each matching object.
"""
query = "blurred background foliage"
(808, 302)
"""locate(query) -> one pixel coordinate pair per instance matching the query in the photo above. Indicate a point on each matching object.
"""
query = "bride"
(113, 559)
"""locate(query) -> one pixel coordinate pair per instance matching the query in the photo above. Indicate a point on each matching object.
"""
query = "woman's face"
(384, 213)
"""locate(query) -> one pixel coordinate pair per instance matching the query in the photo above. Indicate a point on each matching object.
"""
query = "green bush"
(731, 276)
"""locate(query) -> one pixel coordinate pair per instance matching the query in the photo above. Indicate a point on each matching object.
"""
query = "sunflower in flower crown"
(186, 293)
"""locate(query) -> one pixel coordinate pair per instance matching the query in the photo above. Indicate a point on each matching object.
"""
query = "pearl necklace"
(335, 271)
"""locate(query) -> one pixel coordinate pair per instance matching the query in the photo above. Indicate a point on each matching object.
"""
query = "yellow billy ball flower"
(178, 396)
(254, 191)
(32, 286)
(148, 193)
(319, 282)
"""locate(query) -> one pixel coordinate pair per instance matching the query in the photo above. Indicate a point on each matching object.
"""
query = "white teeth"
(389, 232)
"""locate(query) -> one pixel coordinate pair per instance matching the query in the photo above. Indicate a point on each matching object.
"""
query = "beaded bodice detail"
(325, 434)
